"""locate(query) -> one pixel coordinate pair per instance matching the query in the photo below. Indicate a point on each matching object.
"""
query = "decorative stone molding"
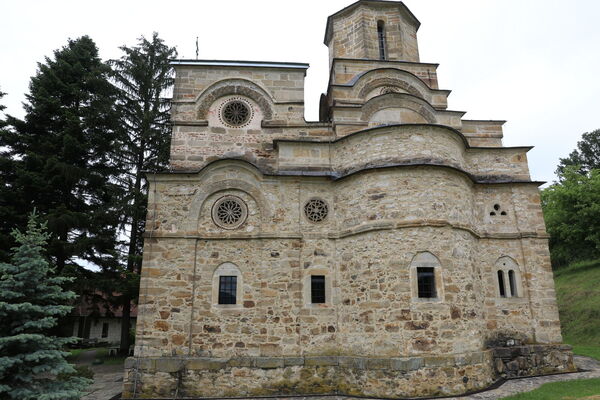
(234, 87)
(398, 100)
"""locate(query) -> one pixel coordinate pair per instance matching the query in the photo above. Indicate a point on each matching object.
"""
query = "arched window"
(227, 286)
(512, 283)
(381, 39)
(501, 287)
(508, 278)
(426, 277)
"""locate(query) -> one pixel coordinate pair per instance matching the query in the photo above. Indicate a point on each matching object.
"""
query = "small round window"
(316, 210)
(235, 113)
(229, 212)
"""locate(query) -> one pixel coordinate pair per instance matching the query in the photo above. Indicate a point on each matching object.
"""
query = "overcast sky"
(534, 63)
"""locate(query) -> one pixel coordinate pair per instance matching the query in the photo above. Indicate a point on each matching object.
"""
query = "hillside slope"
(578, 295)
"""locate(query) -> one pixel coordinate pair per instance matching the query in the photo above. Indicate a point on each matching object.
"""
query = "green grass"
(577, 389)
(101, 353)
(578, 296)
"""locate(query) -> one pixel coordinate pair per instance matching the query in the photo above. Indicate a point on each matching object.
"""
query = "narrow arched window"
(501, 283)
(381, 39)
(426, 278)
(512, 283)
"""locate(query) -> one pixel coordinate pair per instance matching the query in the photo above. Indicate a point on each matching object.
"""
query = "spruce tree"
(63, 156)
(31, 300)
(8, 214)
(142, 75)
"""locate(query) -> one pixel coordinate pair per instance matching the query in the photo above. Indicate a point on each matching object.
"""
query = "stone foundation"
(163, 377)
(531, 360)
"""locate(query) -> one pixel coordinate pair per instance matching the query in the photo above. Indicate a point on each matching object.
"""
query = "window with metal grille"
(227, 289)
(381, 39)
(512, 283)
(501, 283)
(317, 289)
(426, 282)
(105, 329)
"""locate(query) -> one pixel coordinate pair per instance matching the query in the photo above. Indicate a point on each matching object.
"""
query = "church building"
(391, 249)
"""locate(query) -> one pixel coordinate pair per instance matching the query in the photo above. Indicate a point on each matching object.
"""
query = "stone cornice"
(349, 232)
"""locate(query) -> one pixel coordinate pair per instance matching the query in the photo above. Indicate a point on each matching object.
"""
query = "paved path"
(515, 386)
(108, 381)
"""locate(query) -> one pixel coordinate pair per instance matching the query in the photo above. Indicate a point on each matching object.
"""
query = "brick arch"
(234, 87)
(399, 100)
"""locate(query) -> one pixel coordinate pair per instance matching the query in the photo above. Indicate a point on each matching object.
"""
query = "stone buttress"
(391, 249)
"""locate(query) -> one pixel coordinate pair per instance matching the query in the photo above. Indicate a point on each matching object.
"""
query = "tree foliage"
(8, 214)
(61, 156)
(572, 214)
(31, 300)
(142, 76)
(587, 155)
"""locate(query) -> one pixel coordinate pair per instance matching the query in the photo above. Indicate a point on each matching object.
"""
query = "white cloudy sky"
(533, 63)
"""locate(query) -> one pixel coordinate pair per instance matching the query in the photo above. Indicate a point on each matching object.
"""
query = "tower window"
(512, 283)
(426, 282)
(501, 283)
(227, 289)
(381, 39)
(317, 289)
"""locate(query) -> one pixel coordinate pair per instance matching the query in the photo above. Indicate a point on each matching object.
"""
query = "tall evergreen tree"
(8, 214)
(31, 299)
(142, 75)
(62, 155)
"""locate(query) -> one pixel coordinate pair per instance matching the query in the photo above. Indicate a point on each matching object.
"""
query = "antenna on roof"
(196, 47)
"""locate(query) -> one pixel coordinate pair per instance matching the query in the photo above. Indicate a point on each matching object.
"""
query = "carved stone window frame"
(306, 287)
(504, 265)
(227, 269)
(426, 259)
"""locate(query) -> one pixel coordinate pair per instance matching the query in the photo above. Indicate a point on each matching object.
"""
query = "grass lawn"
(578, 295)
(101, 353)
(569, 390)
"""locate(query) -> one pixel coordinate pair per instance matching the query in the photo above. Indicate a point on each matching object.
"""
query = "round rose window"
(229, 212)
(236, 113)
(316, 210)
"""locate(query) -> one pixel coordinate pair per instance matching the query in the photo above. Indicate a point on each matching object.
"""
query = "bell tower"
(373, 30)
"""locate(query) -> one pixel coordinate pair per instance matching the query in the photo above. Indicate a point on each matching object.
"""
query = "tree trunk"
(131, 254)
(125, 326)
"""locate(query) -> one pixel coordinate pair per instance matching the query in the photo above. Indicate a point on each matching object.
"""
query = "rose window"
(316, 210)
(236, 113)
(229, 212)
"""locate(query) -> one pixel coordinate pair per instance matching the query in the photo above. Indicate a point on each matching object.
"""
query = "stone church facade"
(391, 249)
